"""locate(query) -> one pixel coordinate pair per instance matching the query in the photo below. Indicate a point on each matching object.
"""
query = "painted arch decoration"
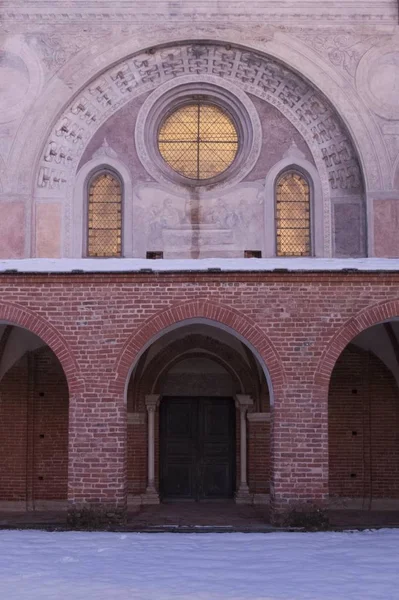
(306, 107)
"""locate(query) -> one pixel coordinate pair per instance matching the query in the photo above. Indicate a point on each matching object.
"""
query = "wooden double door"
(197, 448)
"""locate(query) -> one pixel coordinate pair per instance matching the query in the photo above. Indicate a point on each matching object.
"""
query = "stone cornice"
(222, 11)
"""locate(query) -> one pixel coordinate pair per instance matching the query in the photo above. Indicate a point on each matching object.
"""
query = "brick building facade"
(199, 254)
(317, 384)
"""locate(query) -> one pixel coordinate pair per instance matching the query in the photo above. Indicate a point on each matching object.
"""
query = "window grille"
(293, 216)
(199, 141)
(105, 216)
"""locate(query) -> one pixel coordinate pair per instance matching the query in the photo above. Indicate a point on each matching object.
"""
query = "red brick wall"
(298, 323)
(363, 427)
(14, 391)
(34, 430)
(259, 457)
(50, 429)
(136, 440)
(137, 458)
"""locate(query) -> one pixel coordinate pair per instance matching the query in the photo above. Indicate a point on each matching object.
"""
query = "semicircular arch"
(204, 312)
(367, 318)
(308, 109)
(14, 314)
(84, 67)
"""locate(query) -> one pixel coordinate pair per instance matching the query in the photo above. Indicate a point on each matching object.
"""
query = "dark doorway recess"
(197, 449)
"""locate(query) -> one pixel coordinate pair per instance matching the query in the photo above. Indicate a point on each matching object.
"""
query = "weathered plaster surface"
(48, 229)
(227, 223)
(118, 130)
(386, 227)
(12, 234)
(348, 221)
(50, 54)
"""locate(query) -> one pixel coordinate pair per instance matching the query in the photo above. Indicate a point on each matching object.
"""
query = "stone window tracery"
(198, 140)
(193, 132)
(104, 225)
(293, 215)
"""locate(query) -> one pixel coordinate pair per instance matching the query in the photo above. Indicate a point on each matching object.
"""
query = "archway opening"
(364, 422)
(205, 395)
(34, 403)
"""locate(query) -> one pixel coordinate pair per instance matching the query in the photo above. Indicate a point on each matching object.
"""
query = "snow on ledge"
(115, 265)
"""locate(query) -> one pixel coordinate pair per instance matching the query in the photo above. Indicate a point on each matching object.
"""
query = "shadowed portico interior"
(196, 395)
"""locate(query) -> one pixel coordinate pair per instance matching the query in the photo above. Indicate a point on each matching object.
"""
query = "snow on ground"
(36, 565)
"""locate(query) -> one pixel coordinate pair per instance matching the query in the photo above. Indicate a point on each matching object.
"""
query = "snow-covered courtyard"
(36, 565)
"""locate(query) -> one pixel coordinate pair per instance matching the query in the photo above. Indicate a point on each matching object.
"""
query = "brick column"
(299, 449)
(97, 479)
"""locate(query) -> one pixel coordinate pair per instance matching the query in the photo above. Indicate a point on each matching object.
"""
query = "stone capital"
(243, 401)
(152, 402)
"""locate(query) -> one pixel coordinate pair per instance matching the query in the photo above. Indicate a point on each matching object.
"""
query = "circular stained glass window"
(199, 141)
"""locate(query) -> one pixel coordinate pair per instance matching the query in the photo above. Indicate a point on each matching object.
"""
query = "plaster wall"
(228, 223)
(348, 51)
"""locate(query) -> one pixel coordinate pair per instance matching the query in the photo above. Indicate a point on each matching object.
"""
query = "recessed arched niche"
(231, 212)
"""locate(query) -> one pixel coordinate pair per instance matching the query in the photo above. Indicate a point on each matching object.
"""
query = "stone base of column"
(243, 495)
(151, 496)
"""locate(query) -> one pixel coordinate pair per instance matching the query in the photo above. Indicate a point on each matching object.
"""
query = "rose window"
(198, 140)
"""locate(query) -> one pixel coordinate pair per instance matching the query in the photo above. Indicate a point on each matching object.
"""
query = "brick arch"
(19, 316)
(364, 320)
(215, 314)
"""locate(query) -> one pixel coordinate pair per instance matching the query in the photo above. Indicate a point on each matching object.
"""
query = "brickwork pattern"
(34, 430)
(99, 324)
(363, 428)
(13, 432)
(259, 457)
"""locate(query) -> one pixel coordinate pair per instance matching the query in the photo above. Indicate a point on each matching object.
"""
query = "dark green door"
(197, 448)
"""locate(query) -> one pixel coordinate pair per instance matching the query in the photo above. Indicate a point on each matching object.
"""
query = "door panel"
(178, 438)
(217, 447)
(179, 479)
(197, 448)
(216, 481)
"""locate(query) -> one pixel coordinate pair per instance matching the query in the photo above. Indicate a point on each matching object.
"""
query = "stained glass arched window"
(293, 215)
(104, 236)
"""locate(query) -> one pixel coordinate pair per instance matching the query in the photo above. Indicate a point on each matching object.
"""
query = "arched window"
(104, 231)
(293, 215)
